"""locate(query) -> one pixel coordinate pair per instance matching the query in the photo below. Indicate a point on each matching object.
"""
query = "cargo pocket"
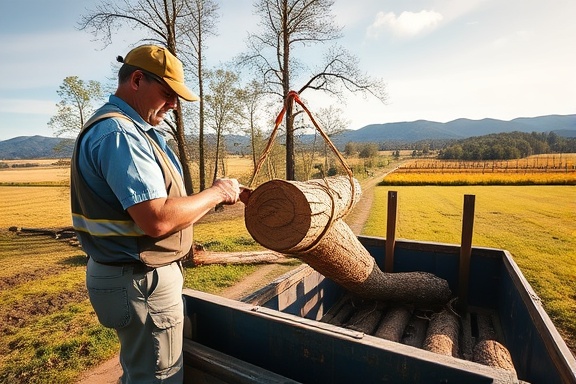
(111, 306)
(168, 336)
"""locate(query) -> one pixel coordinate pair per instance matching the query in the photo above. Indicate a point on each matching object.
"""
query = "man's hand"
(245, 193)
(229, 190)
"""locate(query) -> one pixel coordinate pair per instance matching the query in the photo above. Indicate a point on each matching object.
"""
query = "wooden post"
(391, 231)
(465, 251)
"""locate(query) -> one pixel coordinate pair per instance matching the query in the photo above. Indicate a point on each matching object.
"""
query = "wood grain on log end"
(278, 215)
(291, 216)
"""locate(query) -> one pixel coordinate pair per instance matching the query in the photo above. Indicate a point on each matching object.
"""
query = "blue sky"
(441, 59)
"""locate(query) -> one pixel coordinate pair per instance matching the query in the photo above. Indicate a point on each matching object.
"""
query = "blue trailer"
(277, 334)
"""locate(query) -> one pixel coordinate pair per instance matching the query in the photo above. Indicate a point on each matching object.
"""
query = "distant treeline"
(505, 146)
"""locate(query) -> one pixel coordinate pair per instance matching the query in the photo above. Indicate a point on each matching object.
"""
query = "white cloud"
(408, 24)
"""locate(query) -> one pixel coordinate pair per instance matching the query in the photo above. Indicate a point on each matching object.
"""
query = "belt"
(137, 266)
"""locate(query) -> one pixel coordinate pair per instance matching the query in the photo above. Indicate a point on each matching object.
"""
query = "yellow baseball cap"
(162, 63)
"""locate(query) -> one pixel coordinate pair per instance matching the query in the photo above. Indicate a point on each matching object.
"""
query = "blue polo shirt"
(118, 164)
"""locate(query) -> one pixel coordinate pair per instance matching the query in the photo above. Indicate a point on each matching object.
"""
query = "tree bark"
(256, 257)
(493, 354)
(394, 323)
(442, 334)
(488, 350)
(304, 219)
(367, 317)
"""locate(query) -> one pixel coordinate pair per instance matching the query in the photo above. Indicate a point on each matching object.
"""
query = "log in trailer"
(283, 333)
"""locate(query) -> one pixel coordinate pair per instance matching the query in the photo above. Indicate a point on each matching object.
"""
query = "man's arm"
(163, 216)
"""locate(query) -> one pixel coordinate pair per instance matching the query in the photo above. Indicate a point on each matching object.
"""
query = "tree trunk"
(182, 153)
(304, 219)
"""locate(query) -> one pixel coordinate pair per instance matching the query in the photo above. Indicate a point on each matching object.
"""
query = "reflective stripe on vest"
(102, 227)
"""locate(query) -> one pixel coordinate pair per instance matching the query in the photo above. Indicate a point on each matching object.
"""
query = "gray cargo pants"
(145, 308)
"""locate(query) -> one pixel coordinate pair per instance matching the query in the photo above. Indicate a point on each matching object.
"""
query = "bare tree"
(286, 25)
(166, 22)
(76, 105)
(205, 15)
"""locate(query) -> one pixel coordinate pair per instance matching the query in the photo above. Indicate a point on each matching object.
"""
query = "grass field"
(537, 224)
(49, 333)
(48, 330)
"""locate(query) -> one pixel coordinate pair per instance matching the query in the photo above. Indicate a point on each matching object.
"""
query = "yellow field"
(34, 206)
(33, 175)
(537, 170)
(560, 162)
(466, 178)
(537, 224)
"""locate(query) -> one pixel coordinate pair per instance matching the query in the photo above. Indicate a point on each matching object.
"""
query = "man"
(133, 217)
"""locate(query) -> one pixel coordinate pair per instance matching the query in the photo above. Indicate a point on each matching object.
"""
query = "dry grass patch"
(537, 224)
(35, 206)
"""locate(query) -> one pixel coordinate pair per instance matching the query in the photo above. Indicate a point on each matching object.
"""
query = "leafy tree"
(368, 150)
(290, 24)
(332, 123)
(509, 145)
(76, 105)
(223, 107)
(251, 97)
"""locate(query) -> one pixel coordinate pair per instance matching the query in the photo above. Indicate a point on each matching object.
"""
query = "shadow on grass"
(75, 261)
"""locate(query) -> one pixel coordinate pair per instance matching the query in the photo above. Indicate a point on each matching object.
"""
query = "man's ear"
(136, 78)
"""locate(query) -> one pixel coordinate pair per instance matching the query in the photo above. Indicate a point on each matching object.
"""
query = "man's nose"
(172, 101)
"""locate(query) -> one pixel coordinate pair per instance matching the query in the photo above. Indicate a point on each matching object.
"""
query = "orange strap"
(294, 97)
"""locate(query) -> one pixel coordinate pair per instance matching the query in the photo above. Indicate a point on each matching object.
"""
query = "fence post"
(391, 231)
(466, 250)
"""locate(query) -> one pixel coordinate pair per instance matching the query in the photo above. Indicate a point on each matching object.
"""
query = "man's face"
(155, 99)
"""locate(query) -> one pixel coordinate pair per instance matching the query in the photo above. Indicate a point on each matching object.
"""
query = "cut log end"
(443, 333)
(493, 354)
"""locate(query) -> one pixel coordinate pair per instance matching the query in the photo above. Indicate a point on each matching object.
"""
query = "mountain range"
(35, 147)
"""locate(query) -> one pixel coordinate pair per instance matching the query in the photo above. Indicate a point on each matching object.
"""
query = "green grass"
(226, 235)
(537, 224)
(216, 278)
(49, 332)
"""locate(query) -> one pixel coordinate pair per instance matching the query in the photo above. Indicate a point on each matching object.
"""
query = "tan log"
(493, 354)
(244, 257)
(394, 323)
(488, 350)
(304, 219)
(290, 216)
(443, 333)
